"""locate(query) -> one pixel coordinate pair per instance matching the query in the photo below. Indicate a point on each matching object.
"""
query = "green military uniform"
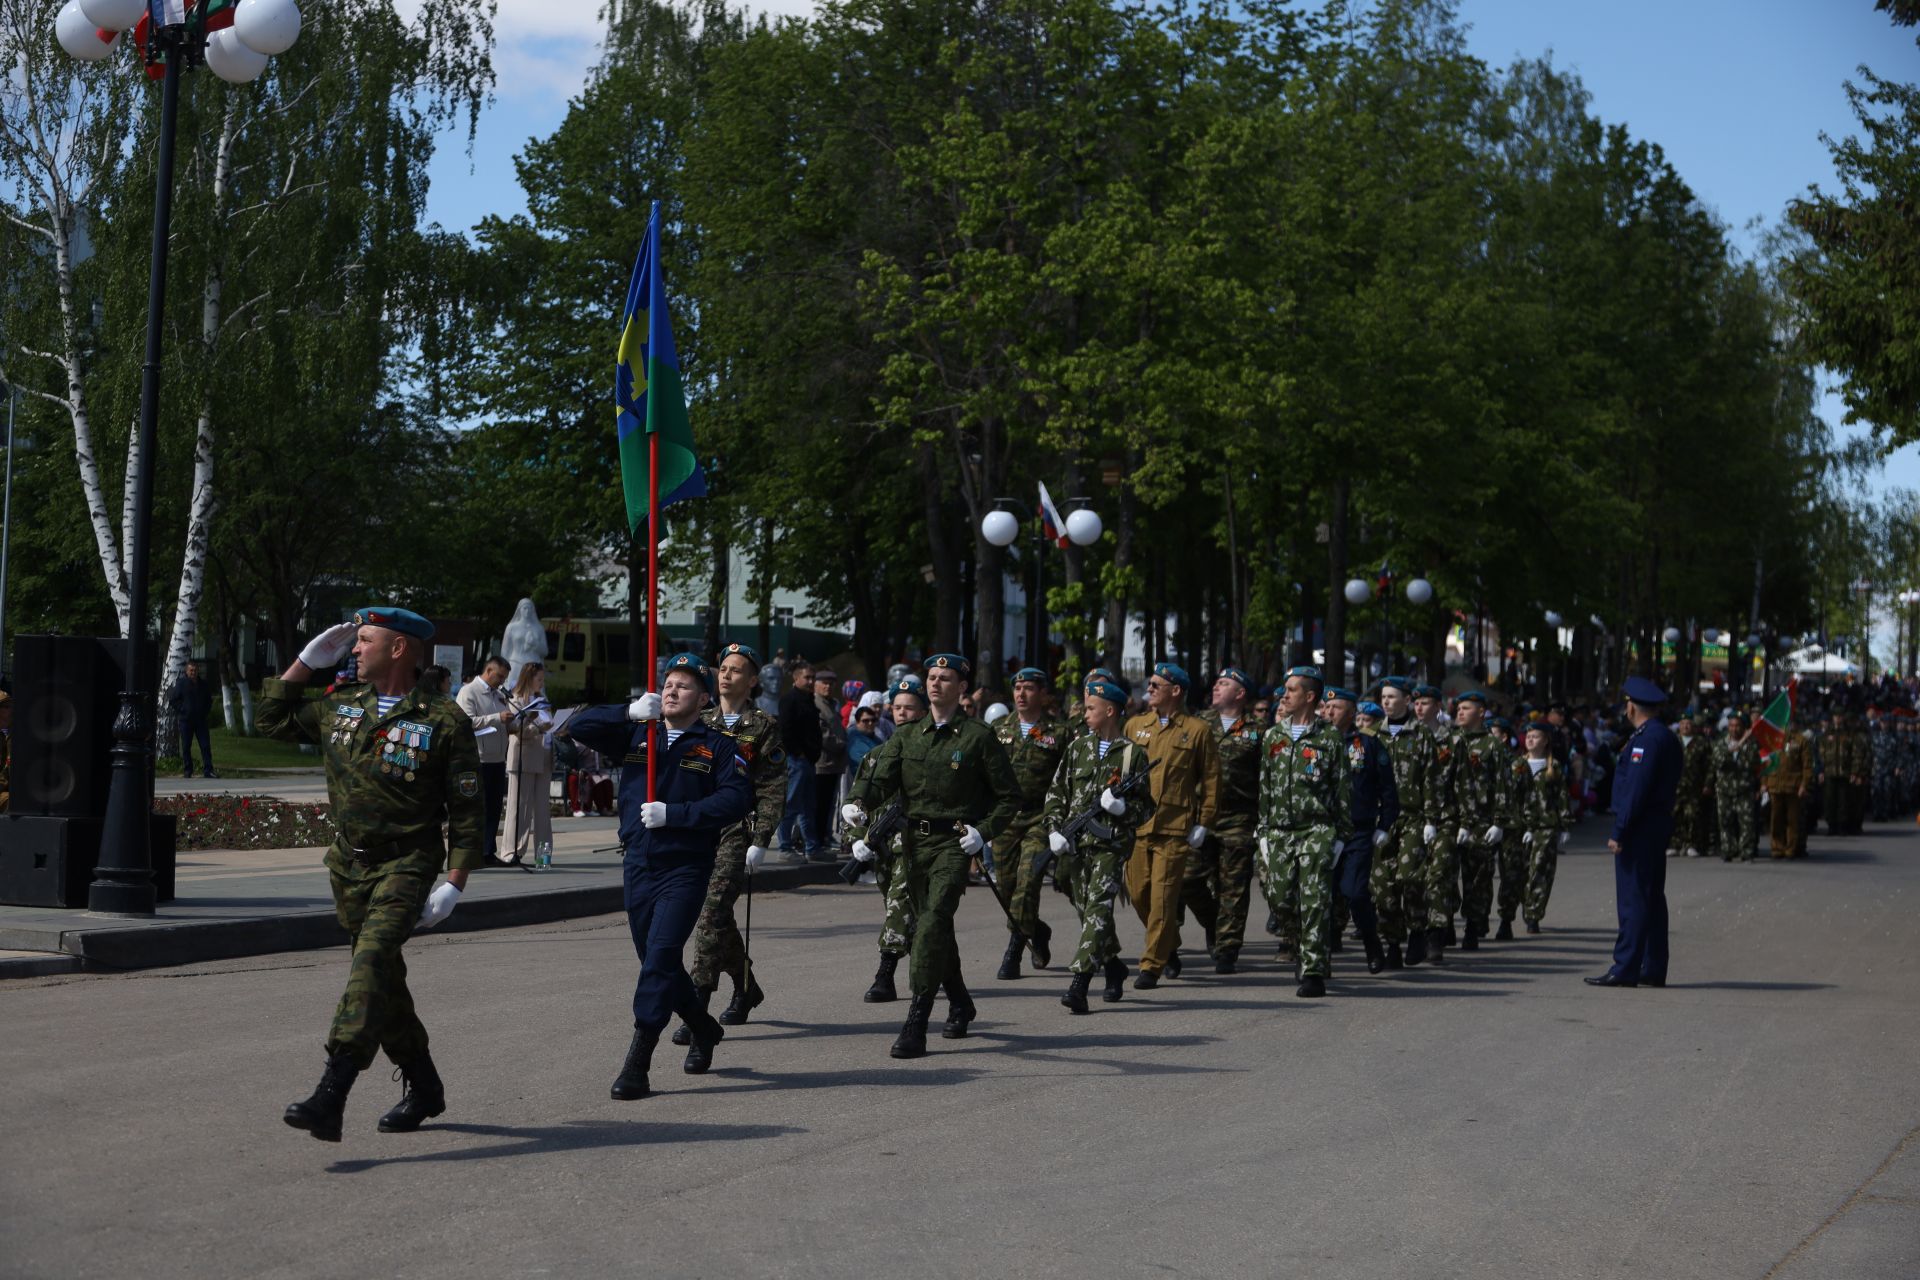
(1093, 865)
(1397, 885)
(717, 945)
(1034, 750)
(1471, 765)
(953, 775)
(1736, 770)
(1692, 815)
(393, 781)
(1537, 812)
(1219, 877)
(1306, 810)
(889, 867)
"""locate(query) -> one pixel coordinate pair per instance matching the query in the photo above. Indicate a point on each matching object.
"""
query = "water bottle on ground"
(543, 856)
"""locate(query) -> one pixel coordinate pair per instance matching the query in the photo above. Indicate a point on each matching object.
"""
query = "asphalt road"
(1757, 1118)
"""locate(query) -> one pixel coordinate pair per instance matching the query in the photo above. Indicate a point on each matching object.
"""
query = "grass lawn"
(230, 750)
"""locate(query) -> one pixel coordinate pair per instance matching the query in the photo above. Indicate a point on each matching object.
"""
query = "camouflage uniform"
(1735, 771)
(1399, 894)
(1537, 807)
(393, 780)
(889, 868)
(1696, 782)
(1880, 742)
(1306, 810)
(1220, 872)
(1860, 767)
(1473, 769)
(1093, 866)
(717, 946)
(1034, 756)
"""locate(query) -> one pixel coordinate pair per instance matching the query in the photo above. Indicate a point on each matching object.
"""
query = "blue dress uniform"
(1376, 807)
(1646, 781)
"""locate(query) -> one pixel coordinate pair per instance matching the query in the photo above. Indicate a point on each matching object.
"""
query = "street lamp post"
(6, 528)
(1001, 526)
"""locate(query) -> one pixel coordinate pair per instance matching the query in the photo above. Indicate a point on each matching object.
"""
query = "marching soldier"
(1219, 877)
(1186, 802)
(1787, 782)
(400, 761)
(960, 792)
(1399, 891)
(1095, 763)
(1034, 741)
(717, 946)
(1474, 765)
(1736, 772)
(1305, 812)
(1696, 786)
(909, 703)
(1375, 811)
(1537, 812)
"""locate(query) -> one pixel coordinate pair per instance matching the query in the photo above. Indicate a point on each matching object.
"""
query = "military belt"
(383, 851)
(936, 826)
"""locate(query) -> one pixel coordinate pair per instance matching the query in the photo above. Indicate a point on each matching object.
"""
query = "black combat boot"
(1010, 962)
(1116, 976)
(1376, 954)
(1505, 932)
(1311, 988)
(681, 1036)
(632, 1081)
(1147, 981)
(1227, 961)
(1436, 946)
(912, 1040)
(1416, 946)
(1533, 926)
(1273, 923)
(1471, 942)
(960, 1010)
(745, 1000)
(881, 992)
(1173, 964)
(423, 1098)
(1453, 939)
(1076, 997)
(1041, 945)
(1394, 959)
(705, 1032)
(322, 1114)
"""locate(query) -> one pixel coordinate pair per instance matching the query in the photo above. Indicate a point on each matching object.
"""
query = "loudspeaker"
(48, 861)
(67, 693)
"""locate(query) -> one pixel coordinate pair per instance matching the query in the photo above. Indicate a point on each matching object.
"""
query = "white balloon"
(233, 61)
(997, 712)
(1000, 528)
(113, 15)
(1419, 591)
(1358, 591)
(266, 26)
(79, 36)
(1084, 527)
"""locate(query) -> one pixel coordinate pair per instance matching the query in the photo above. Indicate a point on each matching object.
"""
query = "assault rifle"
(885, 825)
(1096, 822)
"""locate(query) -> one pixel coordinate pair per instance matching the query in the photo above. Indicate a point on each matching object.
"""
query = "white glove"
(440, 902)
(1564, 837)
(755, 856)
(1112, 803)
(853, 815)
(1263, 846)
(1527, 838)
(1463, 836)
(1196, 837)
(970, 841)
(1057, 842)
(1764, 797)
(1379, 838)
(324, 651)
(862, 851)
(644, 708)
(1494, 834)
(1428, 834)
(653, 815)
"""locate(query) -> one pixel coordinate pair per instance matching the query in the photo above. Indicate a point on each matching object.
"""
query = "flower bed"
(246, 822)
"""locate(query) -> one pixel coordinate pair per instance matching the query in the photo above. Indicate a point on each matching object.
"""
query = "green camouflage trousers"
(1739, 828)
(1095, 877)
(1685, 814)
(1476, 881)
(1023, 842)
(936, 877)
(717, 946)
(1442, 877)
(1298, 872)
(896, 930)
(1399, 892)
(1219, 885)
(1528, 870)
(378, 908)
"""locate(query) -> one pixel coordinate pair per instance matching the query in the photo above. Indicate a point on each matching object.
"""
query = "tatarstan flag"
(648, 399)
(1770, 730)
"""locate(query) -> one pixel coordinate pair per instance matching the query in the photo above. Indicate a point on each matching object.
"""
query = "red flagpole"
(653, 587)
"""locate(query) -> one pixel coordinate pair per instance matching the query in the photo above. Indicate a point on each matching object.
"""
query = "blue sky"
(1736, 91)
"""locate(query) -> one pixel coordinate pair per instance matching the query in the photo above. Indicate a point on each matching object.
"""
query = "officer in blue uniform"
(1376, 807)
(700, 789)
(1646, 780)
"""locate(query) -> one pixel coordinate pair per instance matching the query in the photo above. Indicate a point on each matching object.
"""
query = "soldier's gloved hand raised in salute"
(970, 841)
(653, 815)
(440, 903)
(324, 651)
(644, 708)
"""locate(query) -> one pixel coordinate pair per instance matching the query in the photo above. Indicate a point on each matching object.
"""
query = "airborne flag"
(647, 396)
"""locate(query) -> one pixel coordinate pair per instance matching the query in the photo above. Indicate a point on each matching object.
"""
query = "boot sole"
(618, 1096)
(878, 997)
(898, 1052)
(306, 1126)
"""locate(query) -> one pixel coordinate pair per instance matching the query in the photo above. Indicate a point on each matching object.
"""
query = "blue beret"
(1035, 674)
(1402, 683)
(1109, 690)
(909, 686)
(1307, 673)
(949, 662)
(405, 621)
(1499, 722)
(738, 651)
(1337, 694)
(1373, 709)
(1474, 695)
(1643, 691)
(1238, 676)
(1426, 691)
(690, 663)
(1173, 674)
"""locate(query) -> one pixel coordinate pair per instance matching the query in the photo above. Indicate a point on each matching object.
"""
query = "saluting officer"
(908, 703)
(700, 788)
(400, 762)
(1034, 741)
(1220, 872)
(1186, 803)
(960, 793)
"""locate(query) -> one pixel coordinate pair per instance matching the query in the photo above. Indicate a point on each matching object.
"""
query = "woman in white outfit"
(530, 764)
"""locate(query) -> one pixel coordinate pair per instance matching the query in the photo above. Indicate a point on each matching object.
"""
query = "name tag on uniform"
(701, 765)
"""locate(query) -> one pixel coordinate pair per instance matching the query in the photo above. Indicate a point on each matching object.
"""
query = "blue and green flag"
(647, 393)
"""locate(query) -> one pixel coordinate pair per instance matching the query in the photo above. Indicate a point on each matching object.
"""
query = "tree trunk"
(1113, 642)
(718, 585)
(1336, 636)
(763, 583)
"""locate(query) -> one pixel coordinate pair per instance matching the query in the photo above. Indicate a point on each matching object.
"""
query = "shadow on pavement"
(574, 1135)
(1750, 986)
(754, 1080)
